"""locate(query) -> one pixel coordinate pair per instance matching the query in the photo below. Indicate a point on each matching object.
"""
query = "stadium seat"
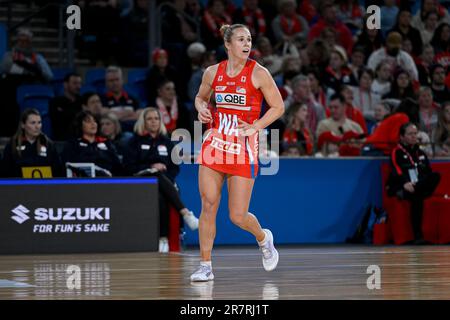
(137, 80)
(3, 40)
(38, 97)
(87, 88)
(96, 77)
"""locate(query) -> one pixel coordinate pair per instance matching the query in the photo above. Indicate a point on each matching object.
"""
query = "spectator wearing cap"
(289, 26)
(394, 55)
(118, 100)
(428, 111)
(329, 19)
(252, 16)
(440, 92)
(338, 73)
(160, 71)
(404, 28)
(24, 62)
(63, 109)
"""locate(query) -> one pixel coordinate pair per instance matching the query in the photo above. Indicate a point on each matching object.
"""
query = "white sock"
(263, 242)
(206, 263)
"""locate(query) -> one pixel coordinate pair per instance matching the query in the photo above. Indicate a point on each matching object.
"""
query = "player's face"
(89, 126)
(32, 126)
(241, 43)
(152, 122)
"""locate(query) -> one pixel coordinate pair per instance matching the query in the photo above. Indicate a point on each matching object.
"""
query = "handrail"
(31, 16)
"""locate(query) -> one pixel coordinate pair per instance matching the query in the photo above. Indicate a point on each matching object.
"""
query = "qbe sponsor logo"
(231, 98)
(64, 220)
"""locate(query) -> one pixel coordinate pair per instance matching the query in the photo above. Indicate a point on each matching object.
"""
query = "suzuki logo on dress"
(20, 214)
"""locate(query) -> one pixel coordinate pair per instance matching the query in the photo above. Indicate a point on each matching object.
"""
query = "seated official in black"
(411, 177)
(148, 153)
(30, 148)
(88, 147)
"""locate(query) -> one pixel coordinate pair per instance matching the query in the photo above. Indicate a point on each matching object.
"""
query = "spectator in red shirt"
(329, 19)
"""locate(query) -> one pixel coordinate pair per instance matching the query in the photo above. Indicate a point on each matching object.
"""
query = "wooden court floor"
(304, 272)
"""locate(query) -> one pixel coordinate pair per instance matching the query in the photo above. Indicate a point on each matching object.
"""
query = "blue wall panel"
(307, 201)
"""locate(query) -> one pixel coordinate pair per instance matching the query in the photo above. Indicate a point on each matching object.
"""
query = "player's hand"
(409, 186)
(246, 129)
(204, 115)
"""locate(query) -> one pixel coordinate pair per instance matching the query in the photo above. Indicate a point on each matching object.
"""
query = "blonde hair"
(139, 126)
(226, 30)
(115, 120)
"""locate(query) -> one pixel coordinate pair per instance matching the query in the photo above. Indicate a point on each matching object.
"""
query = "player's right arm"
(204, 94)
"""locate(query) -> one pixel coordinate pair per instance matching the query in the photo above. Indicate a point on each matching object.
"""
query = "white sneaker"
(203, 273)
(163, 245)
(191, 220)
(270, 254)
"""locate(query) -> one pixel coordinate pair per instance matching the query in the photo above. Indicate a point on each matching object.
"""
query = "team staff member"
(29, 147)
(88, 147)
(412, 178)
(230, 151)
(148, 153)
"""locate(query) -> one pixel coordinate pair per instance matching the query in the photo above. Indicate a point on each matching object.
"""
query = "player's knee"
(238, 218)
(209, 205)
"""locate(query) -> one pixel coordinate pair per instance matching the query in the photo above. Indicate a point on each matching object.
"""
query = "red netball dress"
(223, 148)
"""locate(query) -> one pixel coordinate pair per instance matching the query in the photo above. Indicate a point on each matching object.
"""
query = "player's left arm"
(263, 80)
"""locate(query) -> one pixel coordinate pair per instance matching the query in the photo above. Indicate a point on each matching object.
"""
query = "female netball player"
(230, 149)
